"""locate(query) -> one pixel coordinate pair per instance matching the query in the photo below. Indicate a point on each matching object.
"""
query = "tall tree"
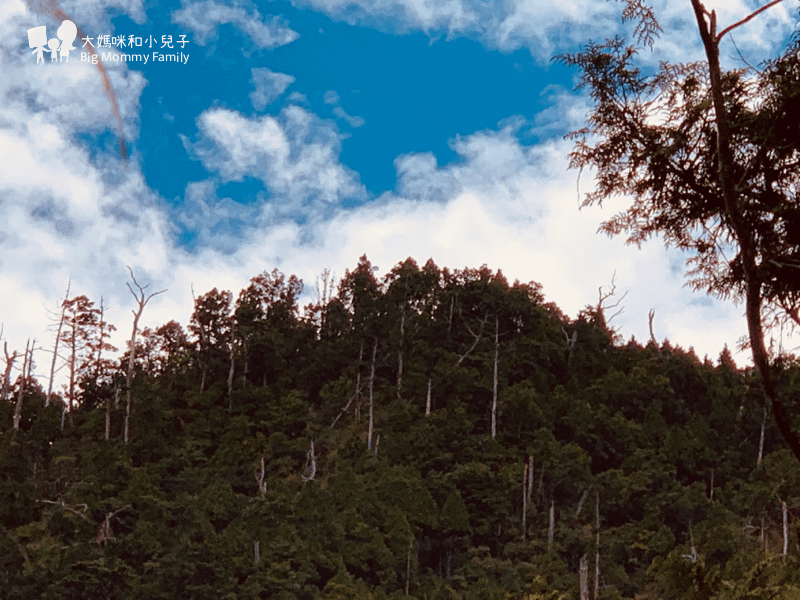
(142, 298)
(79, 334)
(55, 347)
(710, 159)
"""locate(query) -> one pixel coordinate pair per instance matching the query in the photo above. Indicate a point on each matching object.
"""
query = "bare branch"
(747, 18)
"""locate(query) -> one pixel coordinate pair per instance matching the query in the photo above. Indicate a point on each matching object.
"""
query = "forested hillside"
(431, 434)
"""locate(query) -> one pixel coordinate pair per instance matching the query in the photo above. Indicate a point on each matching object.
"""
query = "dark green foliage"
(219, 495)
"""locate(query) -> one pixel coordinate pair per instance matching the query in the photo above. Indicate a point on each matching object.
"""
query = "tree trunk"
(597, 545)
(107, 434)
(400, 353)
(761, 440)
(357, 407)
(551, 530)
(129, 374)
(21, 391)
(256, 553)
(231, 369)
(584, 578)
(6, 386)
(408, 565)
(55, 349)
(744, 236)
(371, 429)
(530, 479)
(785, 528)
(428, 400)
(72, 367)
(494, 380)
(525, 474)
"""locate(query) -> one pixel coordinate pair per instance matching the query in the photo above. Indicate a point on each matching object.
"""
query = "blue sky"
(389, 94)
(301, 135)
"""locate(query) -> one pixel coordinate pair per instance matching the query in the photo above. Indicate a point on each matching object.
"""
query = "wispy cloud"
(332, 99)
(546, 27)
(268, 86)
(203, 18)
(295, 155)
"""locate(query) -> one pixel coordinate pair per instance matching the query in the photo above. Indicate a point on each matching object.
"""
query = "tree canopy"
(709, 158)
(515, 451)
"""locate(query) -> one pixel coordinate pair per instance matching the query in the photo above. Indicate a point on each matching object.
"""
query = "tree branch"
(747, 18)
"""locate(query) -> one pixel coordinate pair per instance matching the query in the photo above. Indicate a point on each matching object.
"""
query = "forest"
(433, 433)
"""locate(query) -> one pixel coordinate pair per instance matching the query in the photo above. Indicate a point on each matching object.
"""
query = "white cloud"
(203, 18)
(546, 27)
(296, 155)
(269, 86)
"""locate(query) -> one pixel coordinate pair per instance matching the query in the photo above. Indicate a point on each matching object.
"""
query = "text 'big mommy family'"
(178, 57)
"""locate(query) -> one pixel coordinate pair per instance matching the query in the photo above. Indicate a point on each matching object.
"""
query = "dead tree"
(55, 348)
(6, 386)
(785, 528)
(569, 343)
(597, 545)
(602, 301)
(584, 578)
(530, 479)
(26, 362)
(525, 497)
(261, 479)
(231, 356)
(371, 428)
(428, 400)
(650, 316)
(761, 440)
(311, 464)
(494, 377)
(408, 564)
(400, 352)
(104, 533)
(141, 301)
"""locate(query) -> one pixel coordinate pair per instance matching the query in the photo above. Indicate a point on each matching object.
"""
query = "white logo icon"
(37, 39)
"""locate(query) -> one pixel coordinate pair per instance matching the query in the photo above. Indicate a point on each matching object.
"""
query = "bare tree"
(231, 357)
(26, 362)
(141, 301)
(428, 400)
(785, 527)
(6, 385)
(55, 348)
(584, 578)
(597, 545)
(526, 474)
(494, 376)
(650, 316)
(371, 427)
(311, 464)
(761, 439)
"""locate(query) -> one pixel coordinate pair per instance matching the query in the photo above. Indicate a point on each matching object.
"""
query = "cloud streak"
(204, 17)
